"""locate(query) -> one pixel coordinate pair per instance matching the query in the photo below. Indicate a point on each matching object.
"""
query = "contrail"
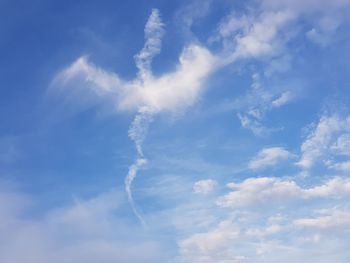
(154, 30)
(139, 127)
(128, 181)
(137, 133)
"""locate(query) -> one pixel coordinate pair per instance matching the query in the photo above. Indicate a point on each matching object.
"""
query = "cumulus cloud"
(269, 234)
(204, 186)
(269, 157)
(256, 191)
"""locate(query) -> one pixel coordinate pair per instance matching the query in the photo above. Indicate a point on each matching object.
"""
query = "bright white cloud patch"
(269, 157)
(170, 92)
(204, 186)
(262, 36)
(256, 191)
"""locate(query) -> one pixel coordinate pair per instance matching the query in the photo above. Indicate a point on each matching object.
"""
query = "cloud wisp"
(269, 157)
(328, 139)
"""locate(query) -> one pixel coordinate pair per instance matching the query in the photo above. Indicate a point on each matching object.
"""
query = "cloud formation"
(328, 138)
(263, 190)
(265, 222)
(257, 103)
(170, 92)
(204, 186)
(269, 157)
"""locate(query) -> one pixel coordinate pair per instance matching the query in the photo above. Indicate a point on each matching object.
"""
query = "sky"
(192, 131)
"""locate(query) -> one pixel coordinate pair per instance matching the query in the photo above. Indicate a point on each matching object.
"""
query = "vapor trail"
(128, 181)
(154, 30)
(137, 133)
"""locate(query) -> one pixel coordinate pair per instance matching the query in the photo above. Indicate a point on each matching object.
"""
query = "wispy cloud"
(329, 133)
(255, 105)
(204, 186)
(269, 157)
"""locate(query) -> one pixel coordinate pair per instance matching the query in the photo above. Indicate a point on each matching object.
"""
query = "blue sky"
(175, 131)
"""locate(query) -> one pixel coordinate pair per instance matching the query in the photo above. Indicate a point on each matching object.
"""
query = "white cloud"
(282, 100)
(324, 16)
(253, 35)
(257, 191)
(342, 145)
(204, 186)
(253, 125)
(266, 235)
(327, 135)
(269, 157)
(262, 37)
(327, 220)
(170, 92)
(212, 246)
(267, 31)
(339, 166)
